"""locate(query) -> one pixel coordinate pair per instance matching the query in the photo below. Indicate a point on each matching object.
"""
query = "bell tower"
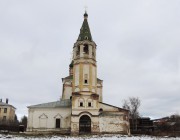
(84, 58)
(85, 98)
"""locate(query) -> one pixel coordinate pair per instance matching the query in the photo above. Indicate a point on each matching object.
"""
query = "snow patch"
(94, 137)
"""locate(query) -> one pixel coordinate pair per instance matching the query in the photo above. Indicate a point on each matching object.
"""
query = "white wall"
(45, 118)
(111, 124)
(67, 91)
(99, 92)
(112, 120)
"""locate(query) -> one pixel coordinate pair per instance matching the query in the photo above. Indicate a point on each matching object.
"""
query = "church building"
(81, 108)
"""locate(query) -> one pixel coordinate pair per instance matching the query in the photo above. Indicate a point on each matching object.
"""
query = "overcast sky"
(138, 50)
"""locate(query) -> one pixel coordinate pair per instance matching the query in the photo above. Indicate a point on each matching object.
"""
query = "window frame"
(56, 123)
(86, 49)
(85, 81)
(5, 110)
(89, 104)
(81, 104)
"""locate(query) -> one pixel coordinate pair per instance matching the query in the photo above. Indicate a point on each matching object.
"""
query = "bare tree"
(175, 118)
(132, 104)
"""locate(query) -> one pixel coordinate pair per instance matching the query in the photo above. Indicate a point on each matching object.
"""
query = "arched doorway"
(85, 124)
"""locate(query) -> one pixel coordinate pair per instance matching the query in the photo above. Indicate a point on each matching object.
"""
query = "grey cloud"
(137, 53)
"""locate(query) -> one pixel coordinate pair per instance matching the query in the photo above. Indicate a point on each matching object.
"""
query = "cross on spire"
(85, 7)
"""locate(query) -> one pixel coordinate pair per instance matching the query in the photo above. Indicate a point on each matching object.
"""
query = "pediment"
(43, 116)
(58, 116)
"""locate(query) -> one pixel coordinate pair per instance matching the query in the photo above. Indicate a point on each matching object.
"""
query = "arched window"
(89, 103)
(100, 110)
(78, 51)
(86, 37)
(81, 102)
(86, 49)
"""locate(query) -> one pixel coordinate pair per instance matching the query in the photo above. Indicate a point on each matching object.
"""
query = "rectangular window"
(81, 103)
(58, 122)
(85, 81)
(89, 104)
(5, 110)
(85, 78)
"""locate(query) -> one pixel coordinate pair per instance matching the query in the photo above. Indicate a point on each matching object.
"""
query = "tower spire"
(85, 33)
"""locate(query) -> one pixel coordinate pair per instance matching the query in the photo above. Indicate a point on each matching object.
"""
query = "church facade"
(81, 108)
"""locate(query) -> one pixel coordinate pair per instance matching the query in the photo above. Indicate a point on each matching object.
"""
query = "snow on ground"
(94, 137)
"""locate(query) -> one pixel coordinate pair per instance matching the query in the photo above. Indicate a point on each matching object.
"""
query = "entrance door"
(58, 123)
(85, 124)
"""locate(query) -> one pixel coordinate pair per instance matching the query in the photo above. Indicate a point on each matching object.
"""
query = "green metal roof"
(85, 33)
